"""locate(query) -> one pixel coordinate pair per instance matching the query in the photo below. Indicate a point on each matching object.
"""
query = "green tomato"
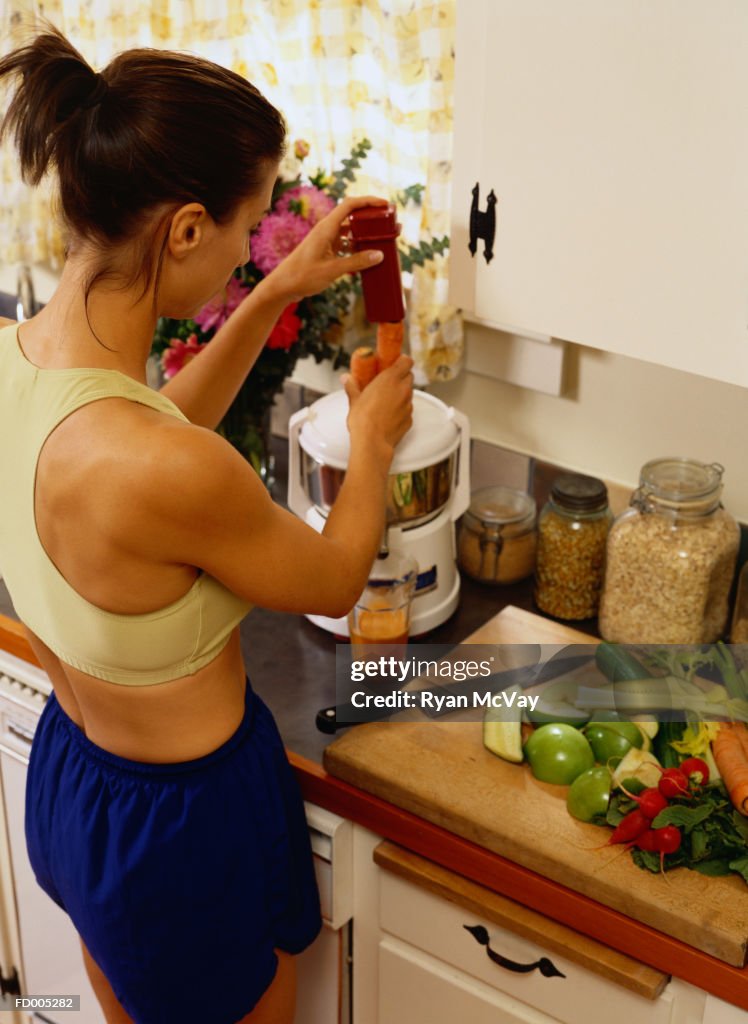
(630, 730)
(608, 745)
(589, 794)
(557, 753)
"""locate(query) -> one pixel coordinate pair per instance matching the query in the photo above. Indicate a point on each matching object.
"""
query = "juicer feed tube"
(376, 227)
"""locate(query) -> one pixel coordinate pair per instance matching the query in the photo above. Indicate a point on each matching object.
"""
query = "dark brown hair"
(154, 127)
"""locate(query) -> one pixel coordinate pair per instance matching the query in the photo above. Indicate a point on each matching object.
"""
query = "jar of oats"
(572, 532)
(670, 558)
(496, 537)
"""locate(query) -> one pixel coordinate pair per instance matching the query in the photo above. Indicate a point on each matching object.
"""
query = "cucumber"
(502, 731)
(555, 704)
(617, 664)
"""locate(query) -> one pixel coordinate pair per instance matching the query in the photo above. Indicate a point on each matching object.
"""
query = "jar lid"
(433, 436)
(372, 222)
(500, 506)
(680, 479)
(579, 493)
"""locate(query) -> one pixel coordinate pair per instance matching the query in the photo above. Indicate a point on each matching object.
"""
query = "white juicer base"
(432, 545)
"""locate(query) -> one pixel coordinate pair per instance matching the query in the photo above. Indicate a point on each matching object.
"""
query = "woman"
(162, 814)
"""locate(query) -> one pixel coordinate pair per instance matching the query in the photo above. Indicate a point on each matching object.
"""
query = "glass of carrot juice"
(382, 613)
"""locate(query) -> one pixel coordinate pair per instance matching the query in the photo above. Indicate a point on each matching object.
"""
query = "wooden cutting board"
(441, 771)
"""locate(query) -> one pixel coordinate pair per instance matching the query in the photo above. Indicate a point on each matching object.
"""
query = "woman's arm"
(6, 322)
(205, 506)
(205, 388)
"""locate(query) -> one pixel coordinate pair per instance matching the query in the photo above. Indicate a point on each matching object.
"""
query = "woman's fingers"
(338, 214)
(359, 261)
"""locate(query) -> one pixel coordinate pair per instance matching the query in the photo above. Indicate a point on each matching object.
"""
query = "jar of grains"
(496, 538)
(739, 630)
(572, 531)
(670, 558)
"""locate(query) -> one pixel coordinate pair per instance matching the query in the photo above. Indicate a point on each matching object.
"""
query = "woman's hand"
(383, 413)
(315, 264)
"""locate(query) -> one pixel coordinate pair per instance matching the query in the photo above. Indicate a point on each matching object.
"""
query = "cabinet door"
(414, 987)
(52, 958)
(615, 139)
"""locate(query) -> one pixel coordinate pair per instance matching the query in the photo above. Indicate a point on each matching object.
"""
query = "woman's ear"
(186, 229)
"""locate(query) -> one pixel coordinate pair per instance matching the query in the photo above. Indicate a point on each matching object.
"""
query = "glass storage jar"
(496, 537)
(572, 531)
(670, 558)
(739, 630)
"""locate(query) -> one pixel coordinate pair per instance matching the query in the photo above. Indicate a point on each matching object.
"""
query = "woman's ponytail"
(54, 83)
(154, 130)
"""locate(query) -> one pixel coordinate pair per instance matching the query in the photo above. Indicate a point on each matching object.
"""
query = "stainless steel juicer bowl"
(413, 497)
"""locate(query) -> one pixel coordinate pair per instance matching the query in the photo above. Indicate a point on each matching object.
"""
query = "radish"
(650, 801)
(629, 828)
(673, 783)
(695, 770)
(660, 840)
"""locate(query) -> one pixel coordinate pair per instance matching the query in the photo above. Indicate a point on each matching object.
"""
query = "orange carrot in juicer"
(389, 343)
(364, 366)
(730, 749)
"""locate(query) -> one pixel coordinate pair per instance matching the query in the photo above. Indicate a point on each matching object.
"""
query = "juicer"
(428, 488)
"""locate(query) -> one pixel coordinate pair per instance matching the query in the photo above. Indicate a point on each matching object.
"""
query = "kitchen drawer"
(428, 907)
(414, 987)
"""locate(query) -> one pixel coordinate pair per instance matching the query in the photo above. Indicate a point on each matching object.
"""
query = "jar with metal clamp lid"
(496, 537)
(572, 531)
(670, 558)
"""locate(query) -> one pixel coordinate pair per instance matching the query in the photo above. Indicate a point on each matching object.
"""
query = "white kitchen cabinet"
(615, 139)
(421, 990)
(416, 961)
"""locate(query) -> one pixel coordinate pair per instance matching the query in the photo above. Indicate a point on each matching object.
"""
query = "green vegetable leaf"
(714, 868)
(741, 824)
(685, 817)
(699, 845)
(741, 866)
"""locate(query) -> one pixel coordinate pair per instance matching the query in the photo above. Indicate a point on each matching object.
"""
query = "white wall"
(616, 414)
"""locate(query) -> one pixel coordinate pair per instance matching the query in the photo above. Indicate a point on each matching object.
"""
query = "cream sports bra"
(134, 650)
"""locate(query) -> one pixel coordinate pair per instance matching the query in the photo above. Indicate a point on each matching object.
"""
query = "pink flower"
(278, 234)
(286, 329)
(218, 309)
(300, 149)
(178, 354)
(306, 201)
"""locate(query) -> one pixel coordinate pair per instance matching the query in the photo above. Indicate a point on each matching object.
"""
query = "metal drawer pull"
(27, 735)
(544, 965)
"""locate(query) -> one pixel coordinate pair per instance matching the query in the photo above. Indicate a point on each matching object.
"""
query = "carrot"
(364, 366)
(389, 343)
(730, 749)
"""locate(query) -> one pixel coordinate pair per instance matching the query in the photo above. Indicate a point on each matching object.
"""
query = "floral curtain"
(340, 70)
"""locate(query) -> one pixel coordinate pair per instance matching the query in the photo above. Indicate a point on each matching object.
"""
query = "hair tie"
(96, 95)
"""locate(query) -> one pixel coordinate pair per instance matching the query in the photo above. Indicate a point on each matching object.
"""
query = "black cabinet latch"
(483, 223)
(544, 965)
(10, 986)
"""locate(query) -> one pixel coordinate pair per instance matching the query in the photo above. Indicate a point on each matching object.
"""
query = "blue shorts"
(180, 878)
